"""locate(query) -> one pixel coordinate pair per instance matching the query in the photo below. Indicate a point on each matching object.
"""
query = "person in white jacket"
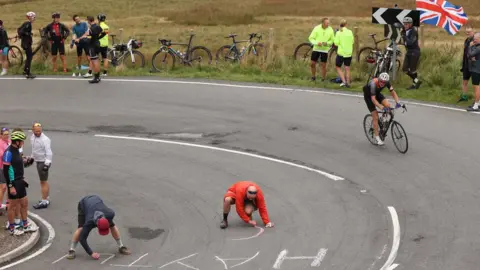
(42, 154)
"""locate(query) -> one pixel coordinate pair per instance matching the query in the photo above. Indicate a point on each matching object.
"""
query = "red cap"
(103, 226)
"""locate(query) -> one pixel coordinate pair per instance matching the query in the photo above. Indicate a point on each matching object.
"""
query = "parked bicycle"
(304, 52)
(43, 47)
(231, 52)
(368, 54)
(126, 53)
(15, 55)
(385, 122)
(384, 61)
(192, 55)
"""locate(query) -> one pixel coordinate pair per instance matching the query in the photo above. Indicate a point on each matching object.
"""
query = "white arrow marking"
(393, 266)
(378, 15)
(390, 31)
(399, 36)
(396, 241)
(402, 15)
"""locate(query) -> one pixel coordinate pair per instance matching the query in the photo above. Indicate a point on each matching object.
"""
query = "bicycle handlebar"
(390, 110)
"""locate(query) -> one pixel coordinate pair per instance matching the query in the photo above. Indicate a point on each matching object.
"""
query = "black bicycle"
(15, 55)
(192, 56)
(232, 53)
(304, 50)
(385, 122)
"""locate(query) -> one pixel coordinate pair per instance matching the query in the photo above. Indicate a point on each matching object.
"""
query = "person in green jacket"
(322, 38)
(344, 41)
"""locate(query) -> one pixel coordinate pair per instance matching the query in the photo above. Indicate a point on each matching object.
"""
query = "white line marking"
(178, 260)
(141, 257)
(396, 241)
(60, 259)
(317, 260)
(256, 235)
(320, 256)
(238, 264)
(51, 236)
(107, 259)
(258, 252)
(280, 259)
(128, 266)
(188, 266)
(285, 89)
(328, 175)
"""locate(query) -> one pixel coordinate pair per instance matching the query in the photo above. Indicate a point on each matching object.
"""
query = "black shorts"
(94, 51)
(343, 61)
(368, 100)
(103, 52)
(43, 175)
(82, 46)
(21, 189)
(316, 55)
(475, 78)
(58, 46)
(411, 61)
(80, 215)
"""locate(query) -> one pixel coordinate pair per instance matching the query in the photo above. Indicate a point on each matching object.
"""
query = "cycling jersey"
(319, 34)
(104, 40)
(80, 29)
(95, 34)
(12, 165)
(410, 38)
(344, 40)
(3, 38)
(56, 32)
(374, 88)
(25, 34)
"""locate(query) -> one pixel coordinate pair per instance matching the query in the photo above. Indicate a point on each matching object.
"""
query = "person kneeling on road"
(247, 197)
(92, 212)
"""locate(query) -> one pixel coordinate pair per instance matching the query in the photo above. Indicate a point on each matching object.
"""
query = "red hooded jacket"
(240, 191)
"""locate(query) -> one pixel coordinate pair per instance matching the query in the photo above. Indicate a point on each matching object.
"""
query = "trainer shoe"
(95, 80)
(3, 73)
(71, 254)
(224, 224)
(87, 75)
(124, 250)
(41, 204)
(17, 232)
(30, 228)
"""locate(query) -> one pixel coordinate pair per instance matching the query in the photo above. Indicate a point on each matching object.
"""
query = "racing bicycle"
(232, 53)
(192, 56)
(126, 53)
(304, 52)
(384, 62)
(15, 55)
(385, 122)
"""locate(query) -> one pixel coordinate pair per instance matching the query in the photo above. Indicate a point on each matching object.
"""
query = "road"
(168, 196)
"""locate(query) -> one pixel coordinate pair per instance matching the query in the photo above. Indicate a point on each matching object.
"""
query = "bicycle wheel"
(200, 55)
(368, 128)
(161, 59)
(303, 52)
(15, 56)
(260, 49)
(398, 134)
(365, 53)
(226, 54)
(137, 59)
(332, 55)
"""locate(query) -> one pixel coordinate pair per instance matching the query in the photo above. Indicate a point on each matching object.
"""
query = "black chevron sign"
(394, 15)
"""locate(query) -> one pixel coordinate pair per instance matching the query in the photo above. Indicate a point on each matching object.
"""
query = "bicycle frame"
(167, 46)
(123, 53)
(250, 44)
(383, 116)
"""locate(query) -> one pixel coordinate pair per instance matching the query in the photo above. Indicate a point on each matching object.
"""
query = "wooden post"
(271, 39)
(422, 39)
(356, 45)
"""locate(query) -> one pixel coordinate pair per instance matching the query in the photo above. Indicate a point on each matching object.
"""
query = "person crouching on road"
(13, 167)
(247, 197)
(344, 40)
(474, 56)
(42, 154)
(93, 213)
(4, 47)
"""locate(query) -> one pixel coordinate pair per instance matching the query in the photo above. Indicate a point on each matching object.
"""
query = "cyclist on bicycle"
(57, 32)
(4, 47)
(374, 98)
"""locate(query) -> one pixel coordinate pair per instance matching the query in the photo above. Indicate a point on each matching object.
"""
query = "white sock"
(119, 242)
(17, 221)
(378, 138)
(4, 70)
(475, 105)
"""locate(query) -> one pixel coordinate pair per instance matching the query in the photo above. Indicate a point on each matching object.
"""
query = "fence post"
(422, 39)
(271, 34)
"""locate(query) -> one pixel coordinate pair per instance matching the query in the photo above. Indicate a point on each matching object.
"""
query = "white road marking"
(238, 264)
(107, 259)
(328, 175)
(141, 257)
(389, 265)
(256, 235)
(51, 236)
(316, 260)
(176, 261)
(188, 266)
(285, 89)
(60, 259)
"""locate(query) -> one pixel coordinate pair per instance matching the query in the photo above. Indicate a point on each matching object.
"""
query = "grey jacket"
(474, 58)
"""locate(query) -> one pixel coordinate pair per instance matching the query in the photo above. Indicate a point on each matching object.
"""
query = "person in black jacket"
(57, 33)
(465, 70)
(412, 57)
(25, 34)
(95, 34)
(4, 46)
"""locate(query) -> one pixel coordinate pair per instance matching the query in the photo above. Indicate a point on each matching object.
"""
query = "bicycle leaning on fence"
(126, 53)
(192, 55)
(231, 52)
(385, 122)
(384, 62)
(15, 55)
(304, 52)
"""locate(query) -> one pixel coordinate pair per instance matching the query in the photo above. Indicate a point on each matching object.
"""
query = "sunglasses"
(252, 192)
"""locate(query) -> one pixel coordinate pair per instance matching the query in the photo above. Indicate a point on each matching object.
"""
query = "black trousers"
(28, 62)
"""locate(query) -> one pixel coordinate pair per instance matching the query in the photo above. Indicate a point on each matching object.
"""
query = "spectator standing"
(57, 33)
(104, 42)
(42, 154)
(322, 38)
(4, 47)
(96, 34)
(412, 57)
(474, 56)
(79, 38)
(25, 34)
(465, 69)
(4, 143)
(344, 41)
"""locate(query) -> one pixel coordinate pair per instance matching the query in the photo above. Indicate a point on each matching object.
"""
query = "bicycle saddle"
(231, 36)
(372, 35)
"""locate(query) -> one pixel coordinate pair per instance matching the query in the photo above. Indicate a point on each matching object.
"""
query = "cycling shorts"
(103, 52)
(319, 55)
(343, 61)
(82, 46)
(475, 78)
(21, 189)
(466, 74)
(5, 51)
(410, 62)
(2, 178)
(368, 100)
(58, 47)
(94, 51)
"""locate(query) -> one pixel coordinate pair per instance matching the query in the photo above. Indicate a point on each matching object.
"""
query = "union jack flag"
(442, 14)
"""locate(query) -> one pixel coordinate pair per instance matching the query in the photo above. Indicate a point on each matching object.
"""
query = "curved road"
(168, 196)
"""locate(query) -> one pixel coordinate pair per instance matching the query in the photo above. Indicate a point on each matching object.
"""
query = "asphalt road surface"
(168, 197)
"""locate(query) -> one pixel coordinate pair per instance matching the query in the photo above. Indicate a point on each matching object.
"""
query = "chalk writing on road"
(243, 260)
(316, 260)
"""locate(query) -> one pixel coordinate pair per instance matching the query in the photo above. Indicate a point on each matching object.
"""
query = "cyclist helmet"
(31, 14)
(384, 77)
(101, 17)
(18, 136)
(407, 20)
(56, 15)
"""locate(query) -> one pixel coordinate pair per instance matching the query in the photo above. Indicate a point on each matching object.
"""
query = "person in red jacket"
(247, 197)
